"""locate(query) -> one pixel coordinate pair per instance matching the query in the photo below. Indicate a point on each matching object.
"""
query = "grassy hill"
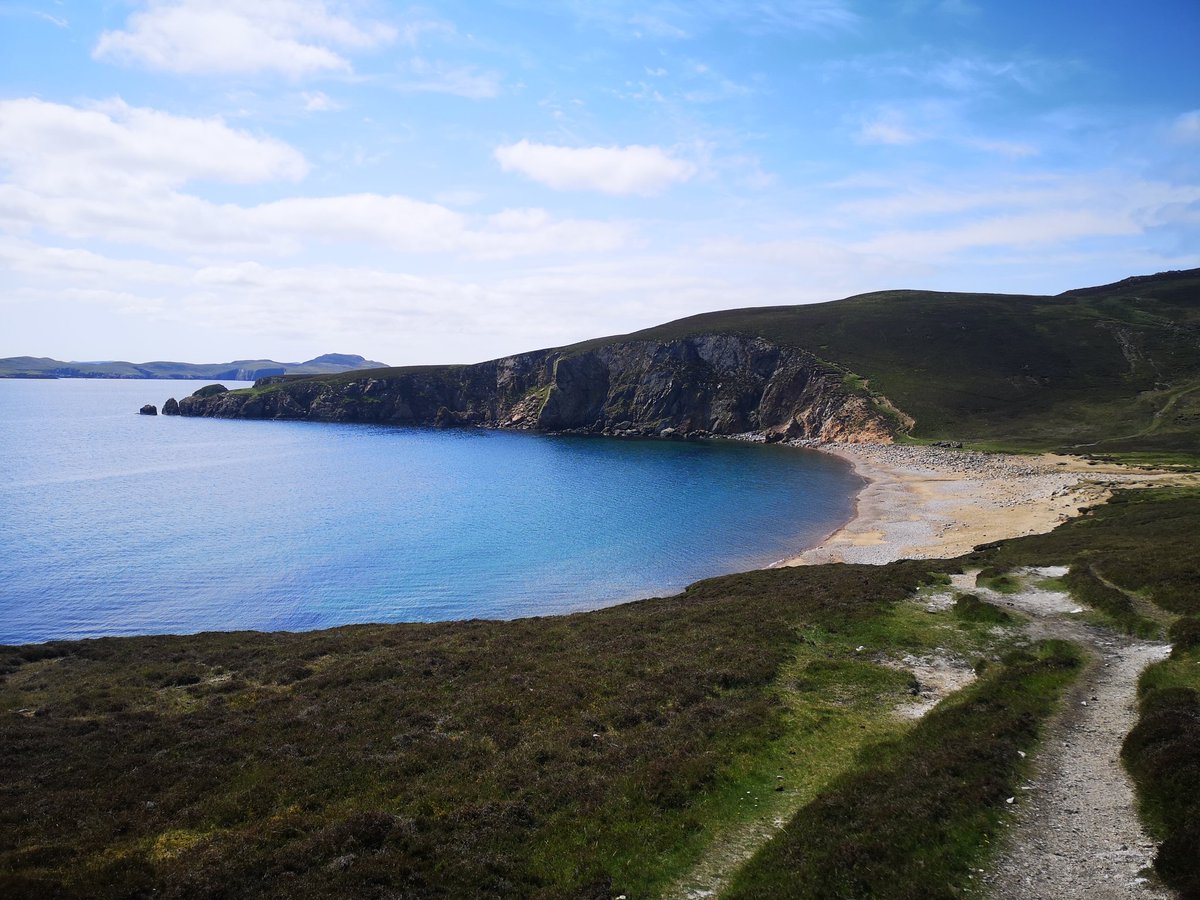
(1110, 369)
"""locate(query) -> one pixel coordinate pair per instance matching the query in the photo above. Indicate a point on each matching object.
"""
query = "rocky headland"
(719, 384)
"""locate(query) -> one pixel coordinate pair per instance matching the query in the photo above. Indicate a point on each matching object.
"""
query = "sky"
(208, 180)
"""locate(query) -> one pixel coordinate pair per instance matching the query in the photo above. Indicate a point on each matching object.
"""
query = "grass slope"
(914, 817)
(1111, 370)
(585, 755)
(1116, 368)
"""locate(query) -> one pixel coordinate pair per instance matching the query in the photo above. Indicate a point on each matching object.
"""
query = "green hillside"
(1115, 368)
(1110, 371)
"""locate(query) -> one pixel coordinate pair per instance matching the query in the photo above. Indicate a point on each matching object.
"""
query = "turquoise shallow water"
(118, 524)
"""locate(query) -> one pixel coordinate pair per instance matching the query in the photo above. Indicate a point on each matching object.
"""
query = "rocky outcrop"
(171, 407)
(149, 410)
(720, 384)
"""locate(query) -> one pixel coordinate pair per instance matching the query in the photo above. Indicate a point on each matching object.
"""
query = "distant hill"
(1113, 369)
(238, 370)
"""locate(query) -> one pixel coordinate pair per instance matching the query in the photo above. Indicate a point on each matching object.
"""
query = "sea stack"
(170, 408)
(149, 410)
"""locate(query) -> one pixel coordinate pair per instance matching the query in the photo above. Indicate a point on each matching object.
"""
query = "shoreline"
(931, 503)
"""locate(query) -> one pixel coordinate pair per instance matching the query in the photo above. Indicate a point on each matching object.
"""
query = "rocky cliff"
(719, 384)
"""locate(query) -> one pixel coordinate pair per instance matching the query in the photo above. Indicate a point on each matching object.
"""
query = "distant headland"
(238, 370)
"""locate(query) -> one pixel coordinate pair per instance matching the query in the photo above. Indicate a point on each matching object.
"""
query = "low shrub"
(970, 608)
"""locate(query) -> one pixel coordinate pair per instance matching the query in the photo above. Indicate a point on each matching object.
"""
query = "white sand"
(928, 502)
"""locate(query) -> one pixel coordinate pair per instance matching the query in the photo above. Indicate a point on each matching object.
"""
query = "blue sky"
(215, 179)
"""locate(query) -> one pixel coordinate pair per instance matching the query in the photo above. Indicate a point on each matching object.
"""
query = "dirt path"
(1075, 834)
(715, 871)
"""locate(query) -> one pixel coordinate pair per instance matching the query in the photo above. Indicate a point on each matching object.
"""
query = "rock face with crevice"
(720, 384)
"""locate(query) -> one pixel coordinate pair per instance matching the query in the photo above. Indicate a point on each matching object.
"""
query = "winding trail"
(1075, 834)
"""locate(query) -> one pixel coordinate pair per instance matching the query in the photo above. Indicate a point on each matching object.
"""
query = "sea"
(114, 523)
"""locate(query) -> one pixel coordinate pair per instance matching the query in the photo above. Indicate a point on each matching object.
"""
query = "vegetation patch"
(593, 754)
(916, 815)
(1162, 754)
(1143, 541)
(971, 608)
(998, 580)
(1087, 587)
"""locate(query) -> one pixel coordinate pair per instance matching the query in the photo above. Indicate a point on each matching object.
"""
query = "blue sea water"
(113, 523)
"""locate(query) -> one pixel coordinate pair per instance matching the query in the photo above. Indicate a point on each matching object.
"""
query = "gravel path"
(1076, 835)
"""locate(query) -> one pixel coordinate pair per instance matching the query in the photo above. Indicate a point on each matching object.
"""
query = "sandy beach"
(930, 502)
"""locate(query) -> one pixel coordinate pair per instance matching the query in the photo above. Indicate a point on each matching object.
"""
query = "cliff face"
(713, 384)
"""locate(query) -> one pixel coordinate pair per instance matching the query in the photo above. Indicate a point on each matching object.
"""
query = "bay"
(119, 524)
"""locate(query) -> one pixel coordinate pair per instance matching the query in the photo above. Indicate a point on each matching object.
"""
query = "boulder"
(149, 410)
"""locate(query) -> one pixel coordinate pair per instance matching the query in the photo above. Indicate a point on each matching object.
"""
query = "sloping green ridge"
(1110, 369)
(1090, 366)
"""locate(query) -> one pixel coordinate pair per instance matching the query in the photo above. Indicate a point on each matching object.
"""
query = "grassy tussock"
(1162, 754)
(970, 608)
(1087, 587)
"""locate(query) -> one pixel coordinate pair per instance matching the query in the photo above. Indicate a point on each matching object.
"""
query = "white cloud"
(8, 11)
(934, 121)
(889, 129)
(319, 101)
(1010, 149)
(1045, 212)
(62, 150)
(118, 173)
(1041, 228)
(291, 37)
(429, 77)
(176, 221)
(1186, 128)
(611, 170)
(669, 19)
(57, 21)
